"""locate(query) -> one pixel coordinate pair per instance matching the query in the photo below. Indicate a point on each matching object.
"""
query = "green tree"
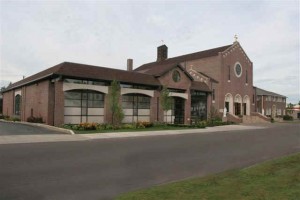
(114, 104)
(165, 99)
(289, 108)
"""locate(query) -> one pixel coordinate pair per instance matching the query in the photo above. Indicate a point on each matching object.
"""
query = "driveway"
(105, 168)
(8, 128)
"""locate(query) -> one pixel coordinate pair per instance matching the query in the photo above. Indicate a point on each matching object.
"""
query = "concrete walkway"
(14, 139)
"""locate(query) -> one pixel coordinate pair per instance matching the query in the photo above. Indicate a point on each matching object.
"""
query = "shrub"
(128, 126)
(5, 117)
(288, 117)
(15, 119)
(201, 124)
(35, 119)
(143, 124)
(88, 126)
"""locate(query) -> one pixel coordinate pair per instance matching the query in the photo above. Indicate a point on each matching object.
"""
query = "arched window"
(18, 101)
(136, 107)
(84, 106)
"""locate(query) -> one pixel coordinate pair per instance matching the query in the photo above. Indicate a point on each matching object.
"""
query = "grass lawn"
(276, 180)
(154, 128)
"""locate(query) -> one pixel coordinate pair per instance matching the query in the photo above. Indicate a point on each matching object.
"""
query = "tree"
(289, 108)
(165, 99)
(114, 104)
(4, 87)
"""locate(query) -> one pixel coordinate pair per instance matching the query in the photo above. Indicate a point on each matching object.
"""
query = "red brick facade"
(224, 75)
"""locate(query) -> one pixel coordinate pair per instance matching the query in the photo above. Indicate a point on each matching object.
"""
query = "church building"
(215, 80)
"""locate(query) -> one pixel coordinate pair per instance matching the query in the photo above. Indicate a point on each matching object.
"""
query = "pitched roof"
(200, 86)
(158, 68)
(89, 72)
(260, 91)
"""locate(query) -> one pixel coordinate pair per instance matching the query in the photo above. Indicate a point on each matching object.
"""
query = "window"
(253, 98)
(238, 69)
(198, 105)
(78, 81)
(18, 104)
(229, 72)
(176, 76)
(246, 76)
(83, 106)
(136, 107)
(213, 94)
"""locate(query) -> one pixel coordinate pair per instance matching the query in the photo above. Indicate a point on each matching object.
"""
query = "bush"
(201, 124)
(88, 126)
(15, 119)
(128, 126)
(288, 117)
(35, 119)
(143, 124)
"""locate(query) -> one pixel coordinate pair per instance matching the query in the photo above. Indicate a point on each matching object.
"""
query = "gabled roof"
(89, 72)
(200, 86)
(262, 92)
(156, 68)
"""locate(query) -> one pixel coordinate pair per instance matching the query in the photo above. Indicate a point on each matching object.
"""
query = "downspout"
(54, 104)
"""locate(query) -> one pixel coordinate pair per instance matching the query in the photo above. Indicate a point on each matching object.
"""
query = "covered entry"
(237, 104)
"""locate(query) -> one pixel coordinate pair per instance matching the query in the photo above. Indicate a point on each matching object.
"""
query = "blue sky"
(36, 35)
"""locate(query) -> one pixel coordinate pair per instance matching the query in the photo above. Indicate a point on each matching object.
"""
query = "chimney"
(129, 64)
(162, 53)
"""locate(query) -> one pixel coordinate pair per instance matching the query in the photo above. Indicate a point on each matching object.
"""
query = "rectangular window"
(213, 94)
(247, 76)
(229, 72)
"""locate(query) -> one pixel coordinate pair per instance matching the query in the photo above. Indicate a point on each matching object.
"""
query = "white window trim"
(235, 69)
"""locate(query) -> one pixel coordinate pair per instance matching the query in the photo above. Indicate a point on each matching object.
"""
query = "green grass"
(154, 128)
(275, 180)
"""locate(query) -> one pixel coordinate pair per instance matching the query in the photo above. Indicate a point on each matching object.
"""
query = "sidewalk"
(14, 139)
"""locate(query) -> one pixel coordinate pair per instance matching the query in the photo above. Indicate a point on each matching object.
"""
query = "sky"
(36, 35)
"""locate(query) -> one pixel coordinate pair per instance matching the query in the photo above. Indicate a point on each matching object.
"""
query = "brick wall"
(236, 85)
(36, 100)
(8, 103)
(58, 103)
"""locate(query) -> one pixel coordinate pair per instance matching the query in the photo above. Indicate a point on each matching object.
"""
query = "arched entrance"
(237, 104)
(229, 103)
(246, 105)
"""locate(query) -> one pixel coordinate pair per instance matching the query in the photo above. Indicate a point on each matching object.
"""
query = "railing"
(261, 116)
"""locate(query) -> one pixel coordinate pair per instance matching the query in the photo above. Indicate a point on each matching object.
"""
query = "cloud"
(38, 35)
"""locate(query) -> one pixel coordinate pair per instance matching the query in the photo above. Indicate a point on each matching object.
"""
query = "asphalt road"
(7, 128)
(102, 169)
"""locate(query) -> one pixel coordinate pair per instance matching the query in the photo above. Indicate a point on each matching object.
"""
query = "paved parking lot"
(104, 168)
(8, 128)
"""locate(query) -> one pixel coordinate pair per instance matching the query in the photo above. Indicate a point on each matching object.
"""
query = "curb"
(41, 125)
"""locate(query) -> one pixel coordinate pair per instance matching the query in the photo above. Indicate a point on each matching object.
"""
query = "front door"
(178, 110)
(245, 109)
(237, 108)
